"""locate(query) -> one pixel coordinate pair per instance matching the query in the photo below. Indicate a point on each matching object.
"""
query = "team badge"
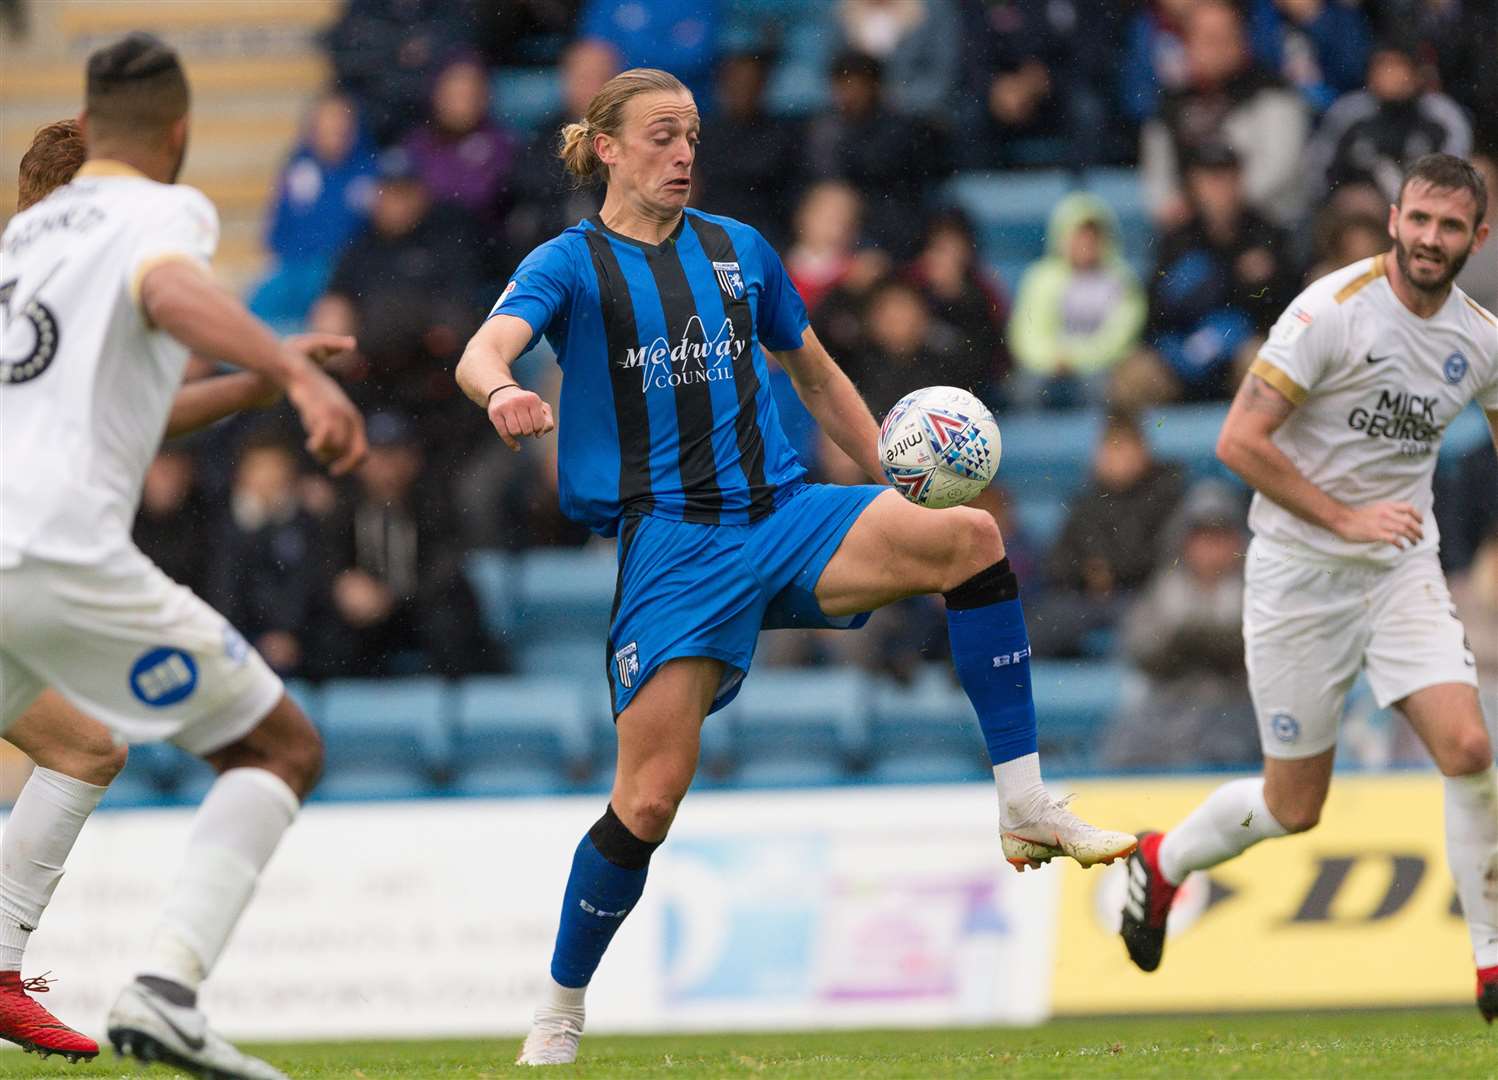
(627, 663)
(37, 328)
(1455, 368)
(1286, 728)
(730, 279)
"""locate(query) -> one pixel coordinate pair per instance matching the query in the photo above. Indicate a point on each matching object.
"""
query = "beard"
(1453, 266)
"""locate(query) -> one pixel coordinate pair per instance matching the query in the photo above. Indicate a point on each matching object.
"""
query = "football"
(939, 446)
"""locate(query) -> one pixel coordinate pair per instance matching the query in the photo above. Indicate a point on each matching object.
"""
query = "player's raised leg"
(76, 758)
(1448, 719)
(659, 733)
(896, 549)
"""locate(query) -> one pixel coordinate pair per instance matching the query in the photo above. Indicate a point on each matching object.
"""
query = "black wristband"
(497, 389)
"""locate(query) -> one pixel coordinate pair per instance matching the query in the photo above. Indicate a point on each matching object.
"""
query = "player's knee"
(1468, 751)
(100, 763)
(1298, 819)
(648, 814)
(303, 761)
(976, 545)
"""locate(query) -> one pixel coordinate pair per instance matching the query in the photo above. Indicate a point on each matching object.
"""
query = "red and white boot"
(1487, 993)
(24, 1022)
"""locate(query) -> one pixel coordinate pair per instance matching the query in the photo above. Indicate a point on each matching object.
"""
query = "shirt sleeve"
(179, 224)
(1301, 346)
(781, 319)
(540, 288)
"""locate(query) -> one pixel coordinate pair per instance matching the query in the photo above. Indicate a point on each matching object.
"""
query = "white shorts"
(132, 649)
(1309, 628)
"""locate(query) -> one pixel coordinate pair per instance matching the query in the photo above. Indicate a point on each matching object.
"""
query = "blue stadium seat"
(1048, 452)
(147, 778)
(566, 590)
(1188, 434)
(797, 727)
(491, 575)
(525, 97)
(385, 738)
(925, 732)
(1040, 515)
(1074, 700)
(571, 657)
(520, 735)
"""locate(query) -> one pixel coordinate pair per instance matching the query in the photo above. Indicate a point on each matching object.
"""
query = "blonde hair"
(605, 116)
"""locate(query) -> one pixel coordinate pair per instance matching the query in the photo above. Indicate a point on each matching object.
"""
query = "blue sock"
(991, 653)
(607, 880)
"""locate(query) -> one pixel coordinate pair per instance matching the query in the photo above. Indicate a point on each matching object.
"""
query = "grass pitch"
(1432, 1043)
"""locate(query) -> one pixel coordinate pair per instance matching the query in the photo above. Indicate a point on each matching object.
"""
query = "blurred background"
(1087, 211)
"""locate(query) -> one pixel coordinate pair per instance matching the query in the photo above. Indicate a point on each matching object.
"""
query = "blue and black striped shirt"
(666, 406)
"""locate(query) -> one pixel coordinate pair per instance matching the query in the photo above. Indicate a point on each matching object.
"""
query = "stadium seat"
(797, 727)
(491, 575)
(568, 656)
(925, 732)
(525, 97)
(146, 780)
(525, 735)
(1187, 434)
(1048, 452)
(1074, 700)
(565, 590)
(1041, 515)
(385, 738)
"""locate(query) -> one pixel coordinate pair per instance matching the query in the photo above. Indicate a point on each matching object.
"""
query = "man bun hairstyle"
(135, 87)
(605, 116)
(1447, 172)
(54, 157)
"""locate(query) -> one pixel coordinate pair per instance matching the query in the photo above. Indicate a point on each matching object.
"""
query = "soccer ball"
(939, 446)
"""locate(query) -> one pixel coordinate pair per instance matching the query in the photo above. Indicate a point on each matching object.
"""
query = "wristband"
(497, 389)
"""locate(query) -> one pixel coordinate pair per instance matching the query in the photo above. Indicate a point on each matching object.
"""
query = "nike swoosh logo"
(192, 1042)
(1379, 359)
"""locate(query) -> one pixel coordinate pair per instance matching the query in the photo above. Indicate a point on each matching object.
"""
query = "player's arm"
(179, 297)
(1246, 447)
(207, 401)
(484, 374)
(830, 397)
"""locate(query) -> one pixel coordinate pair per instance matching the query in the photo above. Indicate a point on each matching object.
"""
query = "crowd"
(1268, 137)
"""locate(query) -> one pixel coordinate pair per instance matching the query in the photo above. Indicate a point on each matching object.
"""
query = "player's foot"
(146, 1026)
(1055, 831)
(1487, 993)
(553, 1038)
(1147, 904)
(24, 1022)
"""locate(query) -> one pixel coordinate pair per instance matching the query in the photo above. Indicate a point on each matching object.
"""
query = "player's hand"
(1396, 523)
(335, 428)
(516, 412)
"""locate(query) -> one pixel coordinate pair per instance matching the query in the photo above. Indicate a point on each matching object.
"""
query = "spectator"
(1466, 504)
(1221, 281)
(465, 157)
(322, 200)
(1079, 311)
(173, 514)
(546, 199)
(895, 159)
(1369, 136)
(387, 52)
(823, 254)
(750, 165)
(400, 603)
(265, 575)
(1228, 100)
(1154, 59)
(917, 41)
(1185, 636)
(1343, 239)
(1479, 278)
(411, 288)
(906, 349)
(1109, 543)
(1318, 46)
(1475, 593)
(1454, 41)
(961, 292)
(1035, 76)
(677, 35)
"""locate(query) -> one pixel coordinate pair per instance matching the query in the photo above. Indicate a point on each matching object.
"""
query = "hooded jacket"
(1089, 319)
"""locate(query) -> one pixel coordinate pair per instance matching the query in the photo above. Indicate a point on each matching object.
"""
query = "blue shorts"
(687, 589)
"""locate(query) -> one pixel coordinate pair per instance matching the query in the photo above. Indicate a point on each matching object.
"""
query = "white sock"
(1022, 794)
(42, 827)
(1472, 852)
(566, 1000)
(235, 832)
(1233, 819)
